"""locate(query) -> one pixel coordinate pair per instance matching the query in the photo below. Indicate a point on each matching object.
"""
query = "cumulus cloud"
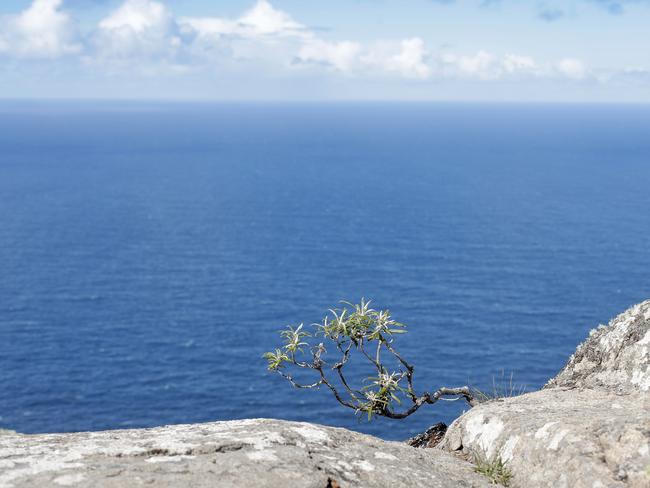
(571, 68)
(136, 16)
(406, 58)
(144, 35)
(410, 62)
(269, 38)
(263, 37)
(263, 20)
(137, 28)
(40, 31)
(487, 66)
(342, 56)
(483, 65)
(515, 64)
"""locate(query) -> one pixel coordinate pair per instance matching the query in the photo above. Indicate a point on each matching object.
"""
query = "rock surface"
(590, 425)
(248, 453)
(588, 428)
(614, 357)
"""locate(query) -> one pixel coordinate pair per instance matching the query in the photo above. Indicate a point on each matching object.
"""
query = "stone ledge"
(235, 454)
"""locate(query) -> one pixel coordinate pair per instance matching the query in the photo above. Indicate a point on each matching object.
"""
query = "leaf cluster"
(368, 333)
(354, 327)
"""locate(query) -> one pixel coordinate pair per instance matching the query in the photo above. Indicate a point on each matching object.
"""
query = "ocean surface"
(149, 253)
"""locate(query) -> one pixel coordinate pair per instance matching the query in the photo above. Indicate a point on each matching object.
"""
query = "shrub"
(370, 334)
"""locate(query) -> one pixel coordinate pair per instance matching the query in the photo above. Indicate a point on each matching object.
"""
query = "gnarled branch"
(359, 329)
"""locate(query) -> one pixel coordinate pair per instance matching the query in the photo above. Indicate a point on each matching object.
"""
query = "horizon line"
(223, 101)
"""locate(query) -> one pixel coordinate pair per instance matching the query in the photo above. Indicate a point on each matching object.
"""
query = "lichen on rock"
(614, 357)
(235, 454)
(590, 425)
(588, 428)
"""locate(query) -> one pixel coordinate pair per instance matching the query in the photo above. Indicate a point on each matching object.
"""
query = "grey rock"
(248, 453)
(588, 428)
(561, 438)
(590, 425)
(614, 357)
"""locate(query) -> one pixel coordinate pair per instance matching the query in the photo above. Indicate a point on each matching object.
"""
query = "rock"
(589, 426)
(430, 438)
(248, 453)
(561, 438)
(615, 358)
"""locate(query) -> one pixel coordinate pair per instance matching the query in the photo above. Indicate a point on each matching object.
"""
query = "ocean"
(150, 252)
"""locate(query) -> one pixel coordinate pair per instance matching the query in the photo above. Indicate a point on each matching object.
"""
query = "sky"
(319, 50)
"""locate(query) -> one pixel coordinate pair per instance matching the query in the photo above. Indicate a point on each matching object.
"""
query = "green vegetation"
(501, 388)
(357, 330)
(493, 469)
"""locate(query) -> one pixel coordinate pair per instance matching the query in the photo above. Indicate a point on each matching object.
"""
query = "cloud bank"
(144, 38)
(146, 34)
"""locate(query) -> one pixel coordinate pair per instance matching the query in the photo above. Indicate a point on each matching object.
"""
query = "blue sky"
(489, 50)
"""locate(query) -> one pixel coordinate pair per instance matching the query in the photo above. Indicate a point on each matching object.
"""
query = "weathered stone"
(248, 453)
(589, 427)
(562, 438)
(614, 357)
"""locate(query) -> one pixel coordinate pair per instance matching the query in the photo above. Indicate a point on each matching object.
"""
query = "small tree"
(358, 330)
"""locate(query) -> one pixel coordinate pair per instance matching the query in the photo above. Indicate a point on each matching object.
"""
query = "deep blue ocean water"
(149, 253)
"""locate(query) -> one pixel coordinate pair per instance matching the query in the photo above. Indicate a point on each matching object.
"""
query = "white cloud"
(270, 28)
(138, 28)
(137, 16)
(411, 60)
(260, 21)
(342, 56)
(208, 26)
(571, 68)
(515, 64)
(486, 66)
(482, 66)
(263, 19)
(405, 58)
(263, 38)
(40, 31)
(144, 35)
